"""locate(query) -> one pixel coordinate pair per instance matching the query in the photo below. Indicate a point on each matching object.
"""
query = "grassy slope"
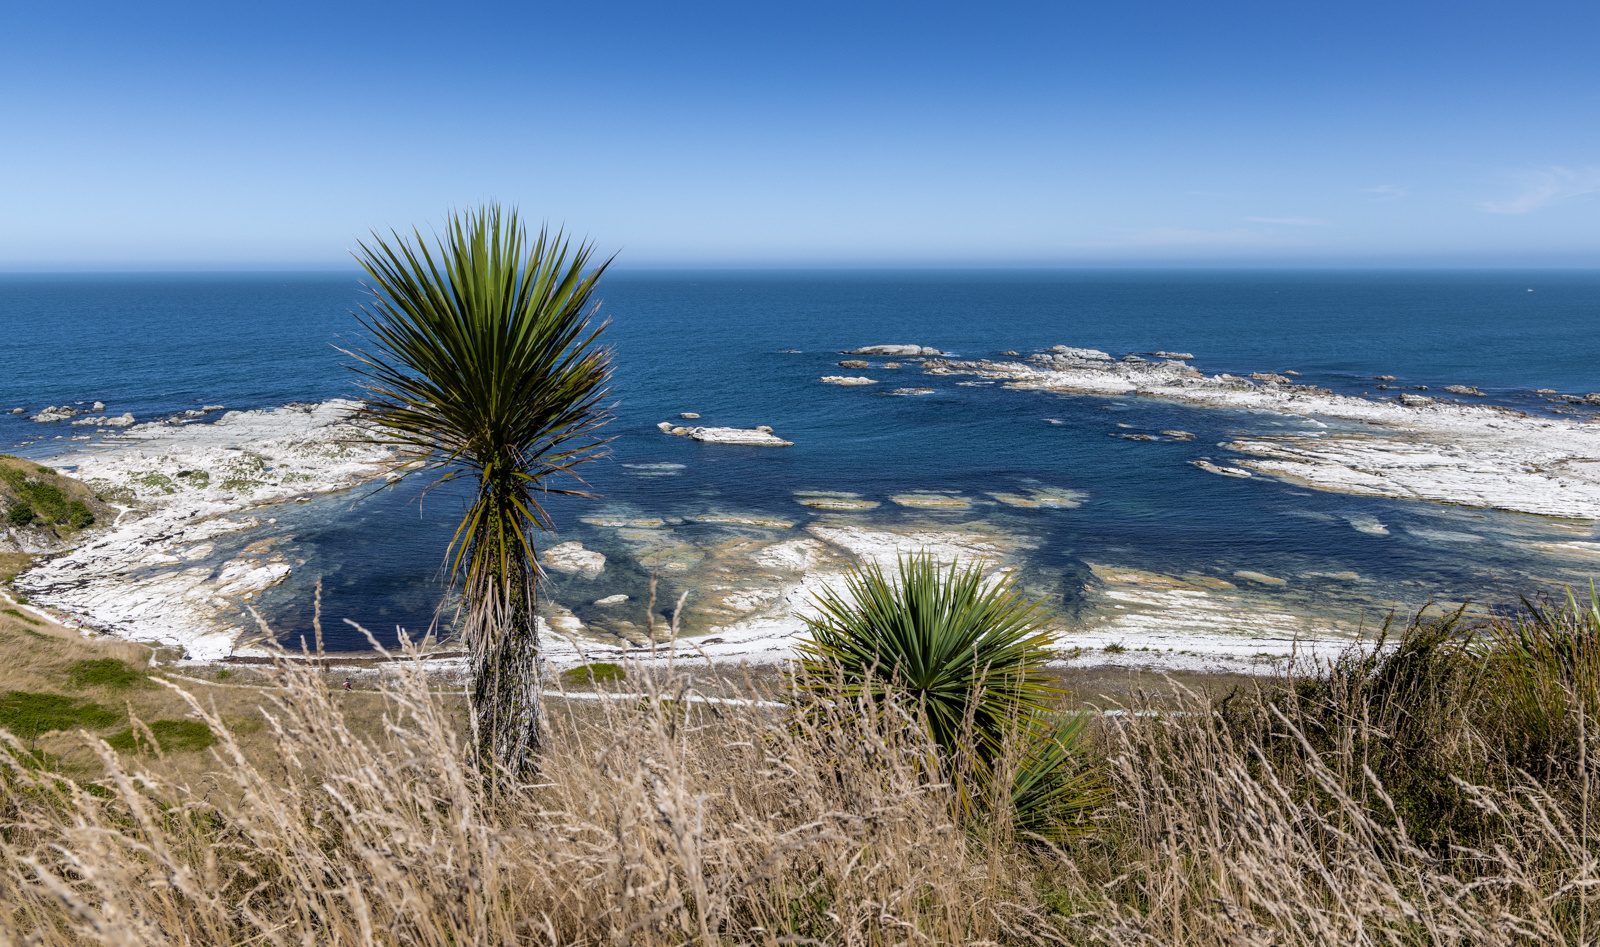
(51, 497)
(52, 677)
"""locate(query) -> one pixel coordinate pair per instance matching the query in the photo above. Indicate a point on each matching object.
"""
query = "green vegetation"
(155, 482)
(599, 673)
(968, 658)
(106, 672)
(182, 736)
(971, 658)
(199, 479)
(20, 514)
(246, 473)
(40, 496)
(1302, 812)
(21, 616)
(24, 713)
(487, 367)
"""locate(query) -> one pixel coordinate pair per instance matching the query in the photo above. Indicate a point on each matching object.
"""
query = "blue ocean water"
(718, 343)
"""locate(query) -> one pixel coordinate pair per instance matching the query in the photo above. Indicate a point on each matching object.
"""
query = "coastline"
(179, 488)
(154, 575)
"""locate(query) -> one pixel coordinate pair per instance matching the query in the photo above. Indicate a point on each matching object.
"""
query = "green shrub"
(593, 674)
(25, 713)
(181, 736)
(1544, 674)
(106, 672)
(941, 641)
(20, 514)
(79, 515)
(47, 499)
(968, 657)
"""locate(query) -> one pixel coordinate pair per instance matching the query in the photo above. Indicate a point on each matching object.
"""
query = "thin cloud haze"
(1545, 187)
(1290, 221)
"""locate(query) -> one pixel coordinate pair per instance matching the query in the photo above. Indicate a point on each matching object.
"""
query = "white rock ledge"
(901, 351)
(144, 577)
(1413, 448)
(759, 437)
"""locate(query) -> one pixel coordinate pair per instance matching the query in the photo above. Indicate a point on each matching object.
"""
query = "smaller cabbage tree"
(967, 655)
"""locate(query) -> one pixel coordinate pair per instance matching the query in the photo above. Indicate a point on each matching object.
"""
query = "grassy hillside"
(44, 506)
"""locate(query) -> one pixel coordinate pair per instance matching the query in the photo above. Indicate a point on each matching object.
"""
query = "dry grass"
(667, 821)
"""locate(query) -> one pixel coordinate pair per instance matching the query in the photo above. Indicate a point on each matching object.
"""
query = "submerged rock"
(834, 501)
(854, 363)
(902, 392)
(847, 380)
(1261, 578)
(931, 501)
(743, 519)
(1043, 499)
(572, 558)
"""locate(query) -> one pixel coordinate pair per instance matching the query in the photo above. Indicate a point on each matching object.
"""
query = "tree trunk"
(507, 670)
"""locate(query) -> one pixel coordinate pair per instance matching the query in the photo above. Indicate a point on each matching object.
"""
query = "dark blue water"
(714, 343)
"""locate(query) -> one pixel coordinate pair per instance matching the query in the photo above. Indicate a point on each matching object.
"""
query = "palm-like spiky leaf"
(949, 643)
(487, 366)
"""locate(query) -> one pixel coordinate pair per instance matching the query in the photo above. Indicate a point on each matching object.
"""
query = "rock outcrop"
(898, 351)
(759, 437)
(54, 413)
(847, 380)
(573, 559)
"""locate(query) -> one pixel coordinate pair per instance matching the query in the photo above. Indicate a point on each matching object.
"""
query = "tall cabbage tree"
(487, 367)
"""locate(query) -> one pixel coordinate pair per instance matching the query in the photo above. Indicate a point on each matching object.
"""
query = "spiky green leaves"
(967, 654)
(944, 639)
(487, 366)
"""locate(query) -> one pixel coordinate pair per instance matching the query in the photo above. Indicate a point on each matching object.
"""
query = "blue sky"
(257, 135)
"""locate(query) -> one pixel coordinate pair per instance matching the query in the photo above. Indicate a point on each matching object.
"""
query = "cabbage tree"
(487, 367)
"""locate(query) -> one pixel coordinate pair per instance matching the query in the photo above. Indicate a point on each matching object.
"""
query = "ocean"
(747, 348)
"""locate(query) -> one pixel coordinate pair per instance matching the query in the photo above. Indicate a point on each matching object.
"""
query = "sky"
(254, 135)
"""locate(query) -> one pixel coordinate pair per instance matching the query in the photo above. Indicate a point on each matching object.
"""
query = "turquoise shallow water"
(716, 344)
